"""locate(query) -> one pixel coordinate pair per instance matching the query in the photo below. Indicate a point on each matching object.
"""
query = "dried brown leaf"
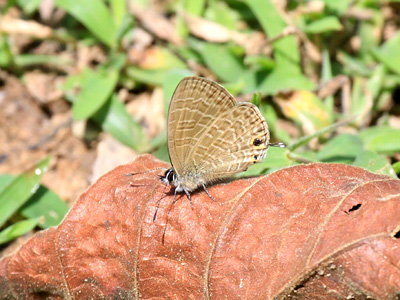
(13, 26)
(254, 43)
(318, 231)
(156, 23)
(43, 86)
(210, 31)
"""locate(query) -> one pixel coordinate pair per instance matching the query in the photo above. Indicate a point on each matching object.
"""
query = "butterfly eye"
(170, 175)
(257, 142)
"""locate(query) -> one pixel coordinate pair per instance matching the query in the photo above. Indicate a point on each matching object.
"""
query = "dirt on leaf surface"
(318, 231)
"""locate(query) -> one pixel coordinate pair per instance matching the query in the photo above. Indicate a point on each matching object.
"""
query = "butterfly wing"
(236, 139)
(195, 104)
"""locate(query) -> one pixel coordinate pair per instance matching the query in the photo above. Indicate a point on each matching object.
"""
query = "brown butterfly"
(211, 136)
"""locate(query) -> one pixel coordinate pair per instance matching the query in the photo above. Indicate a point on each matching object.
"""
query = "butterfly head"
(169, 177)
(188, 182)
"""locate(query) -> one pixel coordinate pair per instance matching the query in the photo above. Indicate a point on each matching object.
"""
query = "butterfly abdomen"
(193, 179)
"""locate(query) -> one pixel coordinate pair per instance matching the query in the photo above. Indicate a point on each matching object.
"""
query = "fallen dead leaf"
(148, 110)
(17, 27)
(156, 23)
(27, 135)
(254, 43)
(304, 107)
(110, 154)
(330, 87)
(210, 31)
(43, 86)
(318, 231)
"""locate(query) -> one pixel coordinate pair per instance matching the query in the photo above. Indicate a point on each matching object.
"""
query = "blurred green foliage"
(23, 197)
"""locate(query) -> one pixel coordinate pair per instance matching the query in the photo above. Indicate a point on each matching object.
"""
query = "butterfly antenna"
(148, 171)
(280, 145)
(158, 204)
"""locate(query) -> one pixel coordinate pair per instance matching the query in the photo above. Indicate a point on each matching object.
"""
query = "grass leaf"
(95, 15)
(21, 189)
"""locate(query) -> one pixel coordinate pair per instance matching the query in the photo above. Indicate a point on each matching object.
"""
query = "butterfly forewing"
(196, 103)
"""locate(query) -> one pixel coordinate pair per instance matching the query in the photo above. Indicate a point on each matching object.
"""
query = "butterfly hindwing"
(237, 139)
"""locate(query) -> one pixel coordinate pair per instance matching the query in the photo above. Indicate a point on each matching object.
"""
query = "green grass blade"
(94, 15)
(343, 148)
(329, 23)
(26, 60)
(114, 118)
(21, 189)
(382, 139)
(305, 139)
(46, 204)
(389, 53)
(374, 162)
(17, 229)
(95, 90)
(220, 59)
(5, 180)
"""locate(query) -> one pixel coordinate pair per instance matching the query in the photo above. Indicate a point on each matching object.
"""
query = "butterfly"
(211, 136)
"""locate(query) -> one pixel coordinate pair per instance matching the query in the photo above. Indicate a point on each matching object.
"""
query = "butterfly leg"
(190, 198)
(208, 193)
(158, 204)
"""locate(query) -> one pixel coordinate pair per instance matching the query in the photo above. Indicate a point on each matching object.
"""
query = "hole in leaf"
(107, 225)
(299, 286)
(302, 283)
(355, 207)
(396, 232)
(43, 294)
(3, 157)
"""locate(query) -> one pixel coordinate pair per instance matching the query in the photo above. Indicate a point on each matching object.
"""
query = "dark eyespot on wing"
(257, 142)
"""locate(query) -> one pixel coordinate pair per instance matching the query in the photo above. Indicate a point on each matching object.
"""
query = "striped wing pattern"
(210, 135)
(229, 143)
